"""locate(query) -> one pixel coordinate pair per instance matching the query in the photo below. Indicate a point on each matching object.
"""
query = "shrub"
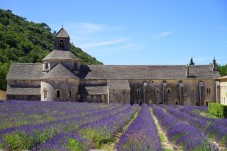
(219, 110)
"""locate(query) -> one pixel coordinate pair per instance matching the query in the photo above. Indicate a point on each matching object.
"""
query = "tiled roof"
(118, 84)
(59, 72)
(62, 33)
(93, 90)
(59, 54)
(22, 91)
(24, 71)
(125, 72)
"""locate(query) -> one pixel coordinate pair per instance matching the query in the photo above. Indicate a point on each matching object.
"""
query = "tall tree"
(191, 62)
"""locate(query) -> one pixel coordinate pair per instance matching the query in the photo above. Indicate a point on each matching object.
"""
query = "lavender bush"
(141, 134)
(105, 129)
(185, 136)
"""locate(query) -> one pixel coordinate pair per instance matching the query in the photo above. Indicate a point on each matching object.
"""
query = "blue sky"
(143, 32)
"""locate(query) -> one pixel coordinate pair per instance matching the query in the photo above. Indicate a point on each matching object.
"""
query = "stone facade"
(223, 90)
(61, 77)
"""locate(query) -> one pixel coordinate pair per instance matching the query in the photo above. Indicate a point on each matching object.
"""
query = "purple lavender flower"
(141, 134)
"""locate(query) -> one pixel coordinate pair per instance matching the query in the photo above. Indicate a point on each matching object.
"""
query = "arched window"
(193, 90)
(157, 90)
(45, 93)
(70, 93)
(46, 65)
(62, 44)
(138, 90)
(176, 103)
(208, 90)
(58, 93)
(168, 90)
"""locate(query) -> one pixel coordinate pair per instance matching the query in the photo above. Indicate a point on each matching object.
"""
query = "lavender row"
(141, 134)
(65, 142)
(48, 116)
(179, 133)
(35, 134)
(88, 131)
(213, 131)
(106, 128)
(189, 110)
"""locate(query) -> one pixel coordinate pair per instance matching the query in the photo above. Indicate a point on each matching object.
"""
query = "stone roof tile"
(24, 71)
(125, 72)
(62, 33)
(59, 55)
(22, 91)
(59, 72)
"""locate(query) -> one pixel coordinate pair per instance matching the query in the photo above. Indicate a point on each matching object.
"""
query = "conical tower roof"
(62, 33)
(59, 72)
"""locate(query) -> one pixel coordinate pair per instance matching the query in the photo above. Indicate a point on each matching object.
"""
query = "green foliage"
(218, 110)
(222, 69)
(17, 141)
(27, 42)
(191, 62)
(72, 145)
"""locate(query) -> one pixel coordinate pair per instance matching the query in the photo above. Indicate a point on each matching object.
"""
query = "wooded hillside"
(27, 42)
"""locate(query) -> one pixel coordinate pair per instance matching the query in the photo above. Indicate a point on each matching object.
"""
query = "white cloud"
(103, 43)
(91, 28)
(163, 34)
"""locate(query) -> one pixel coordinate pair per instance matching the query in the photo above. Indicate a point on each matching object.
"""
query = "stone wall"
(119, 96)
(183, 92)
(223, 91)
(67, 90)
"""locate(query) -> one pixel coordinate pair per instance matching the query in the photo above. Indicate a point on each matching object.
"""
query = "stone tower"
(60, 67)
(62, 40)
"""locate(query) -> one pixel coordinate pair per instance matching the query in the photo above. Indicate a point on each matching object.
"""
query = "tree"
(191, 62)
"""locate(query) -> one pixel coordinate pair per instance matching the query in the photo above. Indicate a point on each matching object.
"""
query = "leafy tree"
(222, 69)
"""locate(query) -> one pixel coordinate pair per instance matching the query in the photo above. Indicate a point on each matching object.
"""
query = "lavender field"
(74, 126)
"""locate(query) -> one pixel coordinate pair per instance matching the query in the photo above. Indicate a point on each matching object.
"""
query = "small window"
(46, 65)
(168, 90)
(138, 90)
(208, 90)
(148, 91)
(176, 103)
(157, 90)
(197, 103)
(70, 93)
(206, 103)
(58, 93)
(193, 90)
(62, 44)
(45, 93)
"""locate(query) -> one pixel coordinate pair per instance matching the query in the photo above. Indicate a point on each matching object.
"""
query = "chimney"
(214, 65)
(187, 71)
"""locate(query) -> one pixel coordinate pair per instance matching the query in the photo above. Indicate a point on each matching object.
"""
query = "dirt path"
(166, 145)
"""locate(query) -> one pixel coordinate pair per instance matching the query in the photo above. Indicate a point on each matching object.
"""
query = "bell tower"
(62, 40)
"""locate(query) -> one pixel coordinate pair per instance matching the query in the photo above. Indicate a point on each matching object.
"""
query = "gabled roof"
(24, 71)
(60, 55)
(22, 91)
(125, 72)
(118, 84)
(59, 72)
(62, 33)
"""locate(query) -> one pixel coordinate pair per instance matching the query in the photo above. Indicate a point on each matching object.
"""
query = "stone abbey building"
(61, 77)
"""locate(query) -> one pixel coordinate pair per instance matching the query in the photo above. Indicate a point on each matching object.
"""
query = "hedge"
(218, 110)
